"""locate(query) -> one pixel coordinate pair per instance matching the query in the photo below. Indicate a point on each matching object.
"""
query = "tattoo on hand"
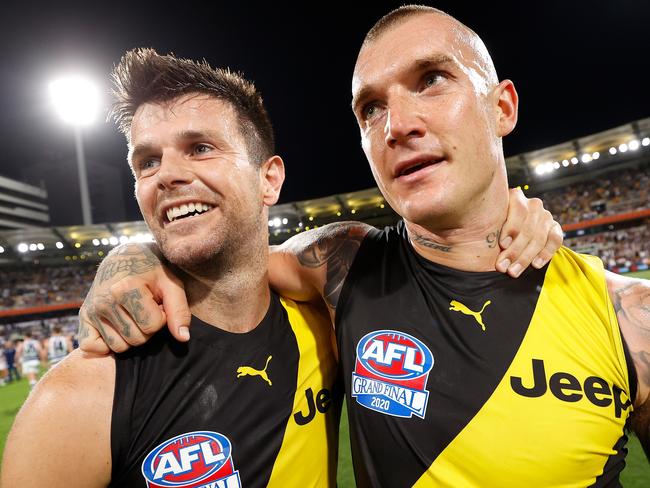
(426, 242)
(128, 260)
(131, 300)
(492, 239)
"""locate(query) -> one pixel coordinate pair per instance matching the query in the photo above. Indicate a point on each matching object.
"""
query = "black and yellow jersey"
(226, 410)
(475, 379)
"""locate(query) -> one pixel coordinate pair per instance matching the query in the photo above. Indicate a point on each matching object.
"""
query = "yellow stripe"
(520, 441)
(308, 454)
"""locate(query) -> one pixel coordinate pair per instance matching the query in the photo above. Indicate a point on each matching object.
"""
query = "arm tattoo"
(336, 250)
(492, 239)
(426, 242)
(632, 305)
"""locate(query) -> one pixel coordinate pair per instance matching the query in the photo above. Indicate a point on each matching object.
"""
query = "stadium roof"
(561, 164)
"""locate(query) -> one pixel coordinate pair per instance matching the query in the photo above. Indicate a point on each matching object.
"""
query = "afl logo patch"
(391, 372)
(200, 459)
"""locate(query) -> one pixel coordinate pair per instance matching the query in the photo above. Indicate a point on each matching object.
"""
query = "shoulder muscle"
(317, 260)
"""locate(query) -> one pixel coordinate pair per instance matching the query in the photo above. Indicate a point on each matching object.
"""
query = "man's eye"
(369, 111)
(202, 148)
(431, 79)
(148, 164)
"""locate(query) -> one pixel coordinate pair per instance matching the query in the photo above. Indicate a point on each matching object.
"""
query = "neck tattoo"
(492, 239)
(426, 242)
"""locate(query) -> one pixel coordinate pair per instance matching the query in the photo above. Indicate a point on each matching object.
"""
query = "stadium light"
(586, 158)
(59, 245)
(595, 155)
(645, 141)
(2, 249)
(612, 150)
(633, 145)
(113, 241)
(77, 101)
(22, 247)
(32, 247)
(622, 148)
(40, 246)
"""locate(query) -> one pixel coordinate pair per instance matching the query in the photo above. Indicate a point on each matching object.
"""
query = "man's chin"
(189, 257)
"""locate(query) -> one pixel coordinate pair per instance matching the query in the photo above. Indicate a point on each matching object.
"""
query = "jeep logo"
(567, 388)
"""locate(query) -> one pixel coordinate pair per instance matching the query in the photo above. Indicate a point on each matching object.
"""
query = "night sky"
(579, 66)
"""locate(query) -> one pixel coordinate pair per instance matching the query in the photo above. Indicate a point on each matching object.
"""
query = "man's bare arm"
(315, 264)
(631, 299)
(61, 436)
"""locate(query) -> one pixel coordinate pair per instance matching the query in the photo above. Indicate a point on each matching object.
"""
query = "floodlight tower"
(77, 100)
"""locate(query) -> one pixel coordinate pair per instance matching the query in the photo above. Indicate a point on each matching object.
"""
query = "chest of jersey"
(474, 379)
(228, 411)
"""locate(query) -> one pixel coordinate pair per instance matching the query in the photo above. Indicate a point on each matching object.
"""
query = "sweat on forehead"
(477, 55)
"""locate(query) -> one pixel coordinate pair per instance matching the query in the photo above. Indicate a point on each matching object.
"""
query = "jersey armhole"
(372, 236)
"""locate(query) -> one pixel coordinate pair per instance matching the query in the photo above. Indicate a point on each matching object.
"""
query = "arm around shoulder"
(61, 436)
(315, 263)
(631, 299)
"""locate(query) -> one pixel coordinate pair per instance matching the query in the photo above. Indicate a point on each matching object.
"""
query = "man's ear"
(272, 177)
(507, 106)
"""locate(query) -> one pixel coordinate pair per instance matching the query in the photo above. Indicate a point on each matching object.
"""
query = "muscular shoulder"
(66, 417)
(316, 262)
(314, 247)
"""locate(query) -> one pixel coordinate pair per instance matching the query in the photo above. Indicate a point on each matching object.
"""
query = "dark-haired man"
(249, 400)
(456, 375)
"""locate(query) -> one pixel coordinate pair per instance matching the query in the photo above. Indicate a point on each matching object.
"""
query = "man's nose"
(173, 172)
(403, 123)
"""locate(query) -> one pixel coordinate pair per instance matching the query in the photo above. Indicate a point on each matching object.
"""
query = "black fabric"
(391, 287)
(166, 388)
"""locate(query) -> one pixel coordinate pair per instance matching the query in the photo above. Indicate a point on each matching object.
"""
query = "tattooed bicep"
(333, 248)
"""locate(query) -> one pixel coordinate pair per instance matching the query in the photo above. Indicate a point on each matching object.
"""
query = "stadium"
(597, 186)
(66, 194)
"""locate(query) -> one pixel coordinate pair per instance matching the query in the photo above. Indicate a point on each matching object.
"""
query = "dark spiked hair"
(144, 76)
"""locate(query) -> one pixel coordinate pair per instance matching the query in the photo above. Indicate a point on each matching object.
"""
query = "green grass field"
(635, 475)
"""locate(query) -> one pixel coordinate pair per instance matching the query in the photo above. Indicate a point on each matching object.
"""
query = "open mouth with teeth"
(186, 211)
(418, 167)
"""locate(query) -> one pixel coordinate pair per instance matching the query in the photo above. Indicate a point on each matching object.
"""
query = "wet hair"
(144, 76)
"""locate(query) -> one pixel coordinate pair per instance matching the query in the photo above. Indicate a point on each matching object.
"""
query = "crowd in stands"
(619, 249)
(611, 194)
(34, 286)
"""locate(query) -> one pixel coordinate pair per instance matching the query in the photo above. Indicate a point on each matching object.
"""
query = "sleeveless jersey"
(475, 379)
(57, 349)
(226, 410)
(30, 350)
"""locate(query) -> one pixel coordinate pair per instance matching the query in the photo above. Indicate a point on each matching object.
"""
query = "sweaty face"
(423, 98)
(197, 190)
